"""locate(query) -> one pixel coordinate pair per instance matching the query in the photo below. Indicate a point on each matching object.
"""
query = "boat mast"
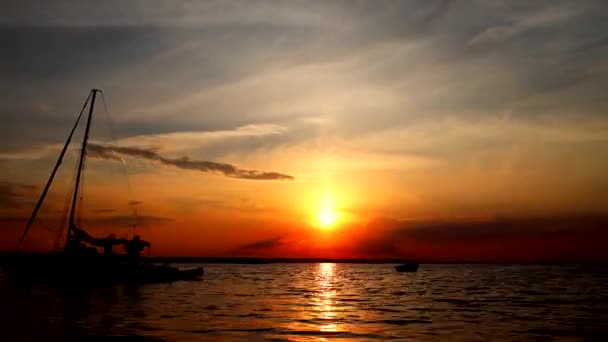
(81, 162)
(30, 221)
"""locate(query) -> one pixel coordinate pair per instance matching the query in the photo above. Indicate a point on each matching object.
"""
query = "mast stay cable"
(64, 217)
(83, 153)
(122, 161)
(52, 176)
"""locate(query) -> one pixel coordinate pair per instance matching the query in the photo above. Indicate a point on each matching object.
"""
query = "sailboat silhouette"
(76, 264)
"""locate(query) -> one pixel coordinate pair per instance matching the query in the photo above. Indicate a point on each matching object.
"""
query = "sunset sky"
(438, 130)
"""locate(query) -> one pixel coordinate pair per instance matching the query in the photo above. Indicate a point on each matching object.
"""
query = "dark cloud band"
(228, 170)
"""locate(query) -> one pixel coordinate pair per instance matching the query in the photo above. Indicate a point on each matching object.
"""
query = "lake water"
(324, 302)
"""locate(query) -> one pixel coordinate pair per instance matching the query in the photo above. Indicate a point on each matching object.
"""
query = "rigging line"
(81, 192)
(66, 209)
(81, 161)
(63, 220)
(130, 189)
(52, 176)
(113, 136)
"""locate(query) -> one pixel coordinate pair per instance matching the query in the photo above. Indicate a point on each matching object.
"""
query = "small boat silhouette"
(407, 267)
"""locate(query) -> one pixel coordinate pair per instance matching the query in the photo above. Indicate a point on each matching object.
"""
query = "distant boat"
(74, 266)
(407, 267)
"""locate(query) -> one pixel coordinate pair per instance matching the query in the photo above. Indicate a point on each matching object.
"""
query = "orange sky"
(316, 129)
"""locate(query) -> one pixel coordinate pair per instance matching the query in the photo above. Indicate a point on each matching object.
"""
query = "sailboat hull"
(60, 268)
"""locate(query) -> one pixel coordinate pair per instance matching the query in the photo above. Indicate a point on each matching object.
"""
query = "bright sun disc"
(326, 218)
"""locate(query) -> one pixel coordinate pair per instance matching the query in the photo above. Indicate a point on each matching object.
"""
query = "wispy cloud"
(114, 221)
(263, 247)
(52, 223)
(104, 210)
(34, 152)
(186, 140)
(264, 244)
(228, 170)
(15, 195)
(542, 18)
(437, 12)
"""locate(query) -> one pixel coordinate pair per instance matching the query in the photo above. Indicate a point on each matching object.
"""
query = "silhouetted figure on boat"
(135, 246)
(110, 242)
(75, 246)
(76, 243)
(79, 236)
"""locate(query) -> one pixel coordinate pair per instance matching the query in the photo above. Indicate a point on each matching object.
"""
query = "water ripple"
(320, 302)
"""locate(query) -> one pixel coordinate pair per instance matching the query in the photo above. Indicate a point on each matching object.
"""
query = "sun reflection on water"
(325, 300)
(320, 313)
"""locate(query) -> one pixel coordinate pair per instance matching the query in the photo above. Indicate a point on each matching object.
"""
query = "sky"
(434, 130)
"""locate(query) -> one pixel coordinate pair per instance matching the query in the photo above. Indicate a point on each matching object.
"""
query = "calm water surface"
(324, 302)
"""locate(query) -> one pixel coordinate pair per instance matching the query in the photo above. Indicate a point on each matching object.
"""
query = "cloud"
(52, 223)
(184, 139)
(35, 152)
(15, 195)
(392, 84)
(494, 34)
(228, 170)
(542, 18)
(502, 228)
(8, 198)
(104, 210)
(487, 239)
(114, 152)
(437, 12)
(195, 64)
(264, 244)
(267, 247)
(113, 221)
(160, 13)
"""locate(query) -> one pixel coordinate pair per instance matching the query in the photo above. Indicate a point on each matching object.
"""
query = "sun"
(326, 217)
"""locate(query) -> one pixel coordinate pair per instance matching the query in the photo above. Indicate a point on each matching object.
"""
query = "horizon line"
(309, 260)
